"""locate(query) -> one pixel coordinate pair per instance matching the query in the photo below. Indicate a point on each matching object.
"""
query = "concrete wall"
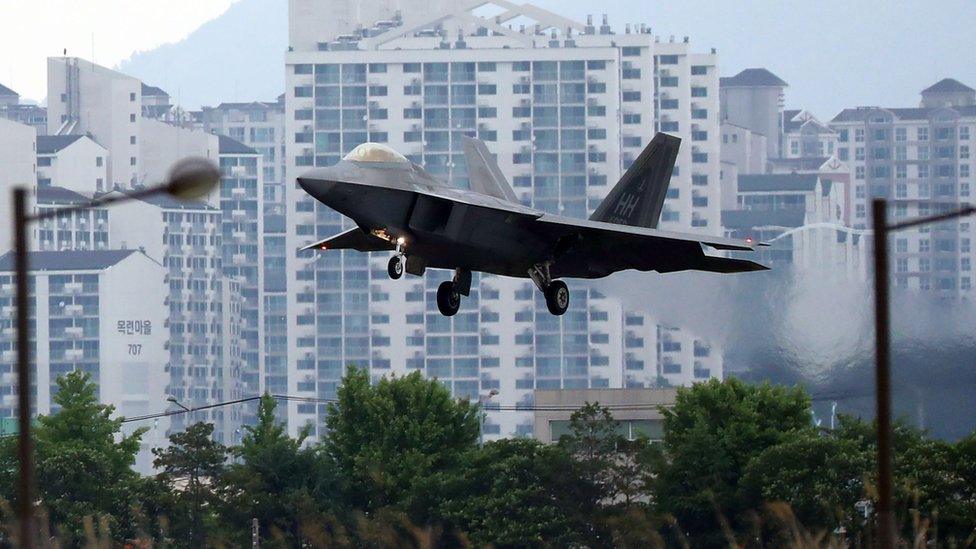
(624, 404)
(163, 144)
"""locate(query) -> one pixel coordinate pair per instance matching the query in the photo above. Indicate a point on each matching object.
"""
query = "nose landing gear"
(395, 267)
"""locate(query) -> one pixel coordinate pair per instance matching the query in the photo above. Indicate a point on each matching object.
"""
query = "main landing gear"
(450, 291)
(555, 291)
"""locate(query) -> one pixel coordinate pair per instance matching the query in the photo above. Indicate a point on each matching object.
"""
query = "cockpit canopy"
(375, 152)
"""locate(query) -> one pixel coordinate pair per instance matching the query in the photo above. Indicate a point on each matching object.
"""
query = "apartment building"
(72, 162)
(242, 250)
(18, 146)
(261, 126)
(12, 109)
(88, 314)
(920, 159)
(565, 107)
(186, 238)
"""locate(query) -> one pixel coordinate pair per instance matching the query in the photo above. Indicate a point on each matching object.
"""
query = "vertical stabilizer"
(483, 172)
(638, 198)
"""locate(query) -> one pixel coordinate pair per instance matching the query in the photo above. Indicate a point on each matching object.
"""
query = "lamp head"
(192, 178)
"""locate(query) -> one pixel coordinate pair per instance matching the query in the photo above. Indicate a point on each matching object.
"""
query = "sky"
(833, 53)
(32, 30)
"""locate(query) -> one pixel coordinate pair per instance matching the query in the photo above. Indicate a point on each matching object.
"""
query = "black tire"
(557, 297)
(448, 298)
(395, 267)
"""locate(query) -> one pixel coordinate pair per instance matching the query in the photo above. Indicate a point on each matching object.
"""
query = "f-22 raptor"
(398, 206)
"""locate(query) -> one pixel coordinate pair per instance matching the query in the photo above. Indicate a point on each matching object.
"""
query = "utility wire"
(840, 395)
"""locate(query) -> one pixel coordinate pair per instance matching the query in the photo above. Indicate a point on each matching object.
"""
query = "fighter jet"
(399, 207)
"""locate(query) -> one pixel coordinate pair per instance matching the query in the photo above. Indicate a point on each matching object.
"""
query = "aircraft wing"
(594, 248)
(353, 239)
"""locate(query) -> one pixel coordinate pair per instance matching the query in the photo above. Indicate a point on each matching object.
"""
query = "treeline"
(400, 466)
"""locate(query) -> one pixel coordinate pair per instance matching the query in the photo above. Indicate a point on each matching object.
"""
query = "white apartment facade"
(261, 126)
(242, 251)
(89, 315)
(186, 238)
(565, 108)
(921, 160)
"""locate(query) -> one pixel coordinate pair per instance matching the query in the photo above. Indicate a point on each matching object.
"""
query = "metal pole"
(886, 534)
(25, 453)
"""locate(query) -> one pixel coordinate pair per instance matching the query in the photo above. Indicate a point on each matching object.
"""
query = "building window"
(132, 96)
(630, 51)
(132, 161)
(132, 140)
(697, 70)
(668, 60)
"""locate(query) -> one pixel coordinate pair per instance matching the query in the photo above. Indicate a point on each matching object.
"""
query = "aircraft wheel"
(448, 298)
(395, 267)
(557, 297)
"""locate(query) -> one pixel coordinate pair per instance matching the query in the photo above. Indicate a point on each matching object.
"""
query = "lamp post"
(189, 179)
(882, 320)
(483, 401)
(178, 403)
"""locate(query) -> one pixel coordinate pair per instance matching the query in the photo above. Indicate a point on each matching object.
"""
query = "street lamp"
(483, 400)
(189, 179)
(882, 319)
(176, 402)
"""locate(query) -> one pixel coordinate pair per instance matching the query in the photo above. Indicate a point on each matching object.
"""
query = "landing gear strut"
(450, 291)
(395, 267)
(555, 291)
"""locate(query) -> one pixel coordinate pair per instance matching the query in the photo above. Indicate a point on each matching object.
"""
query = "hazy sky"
(32, 30)
(833, 53)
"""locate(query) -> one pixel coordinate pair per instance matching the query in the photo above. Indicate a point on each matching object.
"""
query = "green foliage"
(398, 465)
(83, 463)
(821, 478)
(510, 493)
(195, 462)
(276, 481)
(710, 435)
(388, 439)
(933, 491)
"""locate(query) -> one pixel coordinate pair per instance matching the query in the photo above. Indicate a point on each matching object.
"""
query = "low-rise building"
(637, 410)
(84, 229)
(74, 162)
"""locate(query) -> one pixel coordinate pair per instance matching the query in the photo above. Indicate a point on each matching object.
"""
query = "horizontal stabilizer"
(353, 239)
(718, 265)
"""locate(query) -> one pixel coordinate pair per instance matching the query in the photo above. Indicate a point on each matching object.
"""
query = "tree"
(710, 435)
(930, 488)
(195, 461)
(820, 477)
(609, 488)
(388, 439)
(509, 493)
(83, 463)
(277, 481)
